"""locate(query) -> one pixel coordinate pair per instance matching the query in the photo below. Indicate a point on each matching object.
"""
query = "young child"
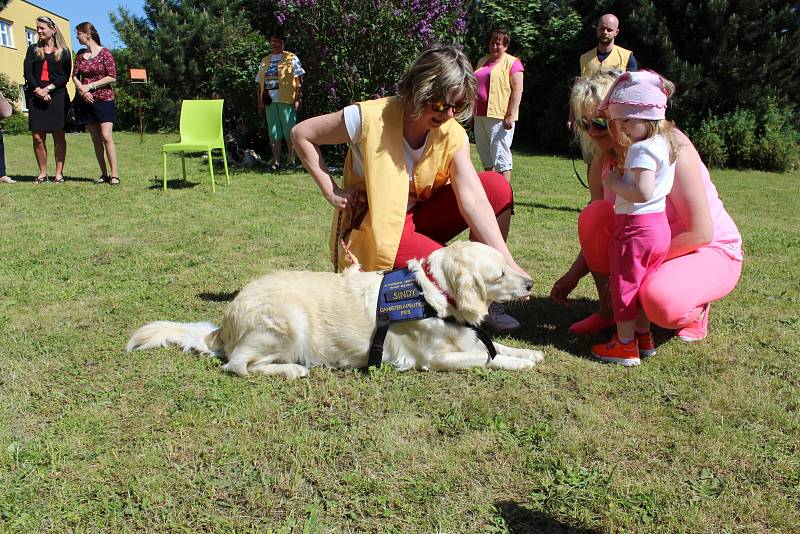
(636, 103)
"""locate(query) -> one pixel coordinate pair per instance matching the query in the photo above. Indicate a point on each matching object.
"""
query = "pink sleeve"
(517, 67)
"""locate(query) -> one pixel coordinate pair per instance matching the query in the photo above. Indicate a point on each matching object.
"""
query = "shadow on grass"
(218, 297)
(546, 207)
(521, 520)
(29, 179)
(547, 323)
(173, 184)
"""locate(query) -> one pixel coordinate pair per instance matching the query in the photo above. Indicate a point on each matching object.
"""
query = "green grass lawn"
(701, 438)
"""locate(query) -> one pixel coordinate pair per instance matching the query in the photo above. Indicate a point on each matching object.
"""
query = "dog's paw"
(286, 370)
(510, 363)
(535, 356)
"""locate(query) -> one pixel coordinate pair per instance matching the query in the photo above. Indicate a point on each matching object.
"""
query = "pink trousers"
(636, 251)
(676, 293)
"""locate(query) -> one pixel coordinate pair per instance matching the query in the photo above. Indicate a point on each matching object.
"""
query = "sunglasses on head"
(440, 106)
(598, 123)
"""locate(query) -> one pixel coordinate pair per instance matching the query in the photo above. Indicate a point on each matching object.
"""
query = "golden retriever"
(286, 322)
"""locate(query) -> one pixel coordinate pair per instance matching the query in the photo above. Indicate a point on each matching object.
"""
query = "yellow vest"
(499, 86)
(617, 59)
(375, 241)
(287, 82)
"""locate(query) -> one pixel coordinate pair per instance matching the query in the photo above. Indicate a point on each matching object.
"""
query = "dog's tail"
(199, 337)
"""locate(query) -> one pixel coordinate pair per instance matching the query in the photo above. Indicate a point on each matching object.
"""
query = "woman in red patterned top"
(93, 75)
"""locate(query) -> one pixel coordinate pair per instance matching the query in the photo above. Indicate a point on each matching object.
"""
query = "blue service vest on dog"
(400, 299)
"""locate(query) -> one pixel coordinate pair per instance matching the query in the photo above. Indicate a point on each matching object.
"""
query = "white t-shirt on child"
(651, 154)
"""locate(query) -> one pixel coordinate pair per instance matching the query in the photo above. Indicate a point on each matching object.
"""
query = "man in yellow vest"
(280, 83)
(607, 55)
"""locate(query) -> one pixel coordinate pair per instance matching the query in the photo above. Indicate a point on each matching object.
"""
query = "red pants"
(434, 222)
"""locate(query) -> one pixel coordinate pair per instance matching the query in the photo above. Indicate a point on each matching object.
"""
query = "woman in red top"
(94, 73)
(47, 67)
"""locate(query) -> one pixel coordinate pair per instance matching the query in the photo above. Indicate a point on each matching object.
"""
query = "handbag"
(265, 97)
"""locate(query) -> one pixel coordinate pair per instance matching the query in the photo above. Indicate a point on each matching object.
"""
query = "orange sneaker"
(646, 343)
(615, 351)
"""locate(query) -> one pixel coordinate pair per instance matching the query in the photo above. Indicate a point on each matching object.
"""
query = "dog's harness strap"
(376, 348)
(482, 335)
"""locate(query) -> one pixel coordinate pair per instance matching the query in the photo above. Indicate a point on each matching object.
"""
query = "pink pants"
(676, 293)
(434, 222)
(639, 245)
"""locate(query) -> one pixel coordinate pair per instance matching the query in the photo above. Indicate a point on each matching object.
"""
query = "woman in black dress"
(47, 66)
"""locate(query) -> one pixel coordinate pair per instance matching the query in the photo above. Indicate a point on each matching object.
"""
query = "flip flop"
(58, 179)
(40, 180)
(103, 179)
(114, 180)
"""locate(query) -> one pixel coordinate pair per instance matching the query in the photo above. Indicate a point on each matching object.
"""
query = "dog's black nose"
(529, 285)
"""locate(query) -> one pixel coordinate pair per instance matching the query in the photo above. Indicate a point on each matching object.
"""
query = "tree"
(183, 44)
(722, 55)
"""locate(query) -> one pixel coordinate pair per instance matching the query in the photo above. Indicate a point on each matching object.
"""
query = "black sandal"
(103, 179)
(40, 180)
(58, 180)
(114, 180)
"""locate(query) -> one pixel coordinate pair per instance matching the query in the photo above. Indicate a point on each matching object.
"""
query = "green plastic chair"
(201, 131)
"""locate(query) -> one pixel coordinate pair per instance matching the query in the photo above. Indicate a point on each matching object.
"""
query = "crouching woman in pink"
(704, 259)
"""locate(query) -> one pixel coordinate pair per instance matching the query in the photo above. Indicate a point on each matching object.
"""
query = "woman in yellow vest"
(409, 185)
(500, 78)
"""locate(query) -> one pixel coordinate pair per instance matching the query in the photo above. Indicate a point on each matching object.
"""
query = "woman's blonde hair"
(585, 97)
(58, 39)
(439, 73)
(588, 93)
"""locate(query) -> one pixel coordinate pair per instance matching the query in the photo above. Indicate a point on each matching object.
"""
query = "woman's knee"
(498, 191)
(663, 306)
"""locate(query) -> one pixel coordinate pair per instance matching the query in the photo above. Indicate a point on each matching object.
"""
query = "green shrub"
(739, 131)
(776, 148)
(9, 90)
(15, 124)
(710, 143)
(763, 138)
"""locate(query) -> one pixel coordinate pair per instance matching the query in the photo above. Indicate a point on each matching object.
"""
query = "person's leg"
(60, 148)
(99, 152)
(106, 130)
(481, 128)
(413, 245)
(274, 133)
(3, 177)
(501, 149)
(288, 120)
(677, 294)
(40, 151)
(439, 218)
(595, 228)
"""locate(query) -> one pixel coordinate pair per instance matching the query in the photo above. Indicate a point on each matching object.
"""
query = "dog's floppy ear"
(470, 293)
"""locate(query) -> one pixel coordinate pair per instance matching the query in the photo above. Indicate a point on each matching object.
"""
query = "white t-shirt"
(352, 121)
(651, 154)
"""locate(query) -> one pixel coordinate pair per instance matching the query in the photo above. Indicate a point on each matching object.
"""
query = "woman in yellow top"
(409, 185)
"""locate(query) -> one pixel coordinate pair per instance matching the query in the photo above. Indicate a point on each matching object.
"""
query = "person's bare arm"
(475, 208)
(514, 100)
(688, 198)
(5, 107)
(307, 137)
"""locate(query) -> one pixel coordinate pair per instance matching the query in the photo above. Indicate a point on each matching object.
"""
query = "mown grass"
(701, 438)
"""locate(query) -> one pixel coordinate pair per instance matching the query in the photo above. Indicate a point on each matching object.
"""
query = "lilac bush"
(354, 50)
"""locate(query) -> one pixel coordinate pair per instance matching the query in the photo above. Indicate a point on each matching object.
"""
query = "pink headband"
(636, 95)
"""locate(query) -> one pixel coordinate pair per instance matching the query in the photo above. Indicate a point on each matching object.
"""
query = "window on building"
(31, 36)
(23, 104)
(5, 34)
